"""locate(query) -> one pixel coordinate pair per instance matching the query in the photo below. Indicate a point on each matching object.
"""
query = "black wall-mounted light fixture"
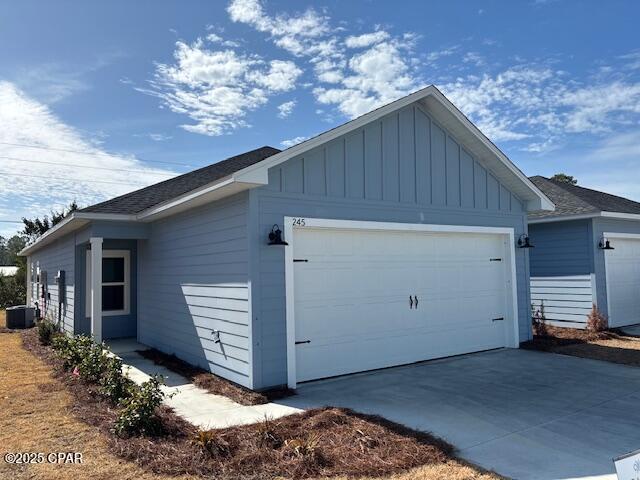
(275, 236)
(524, 242)
(604, 244)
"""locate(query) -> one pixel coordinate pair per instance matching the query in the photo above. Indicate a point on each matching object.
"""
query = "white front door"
(623, 281)
(367, 299)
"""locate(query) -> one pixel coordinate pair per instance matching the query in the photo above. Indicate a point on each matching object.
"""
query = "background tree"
(36, 227)
(564, 178)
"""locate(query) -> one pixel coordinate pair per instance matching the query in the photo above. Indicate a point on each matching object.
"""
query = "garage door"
(367, 299)
(623, 282)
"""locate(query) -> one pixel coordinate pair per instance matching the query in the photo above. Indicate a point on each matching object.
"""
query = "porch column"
(29, 285)
(96, 288)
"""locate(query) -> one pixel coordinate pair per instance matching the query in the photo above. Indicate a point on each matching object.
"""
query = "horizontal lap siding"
(194, 280)
(60, 255)
(567, 300)
(403, 168)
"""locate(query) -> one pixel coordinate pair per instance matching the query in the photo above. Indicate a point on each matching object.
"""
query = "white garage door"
(623, 282)
(367, 299)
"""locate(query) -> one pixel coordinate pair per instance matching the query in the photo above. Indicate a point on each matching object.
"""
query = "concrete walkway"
(194, 404)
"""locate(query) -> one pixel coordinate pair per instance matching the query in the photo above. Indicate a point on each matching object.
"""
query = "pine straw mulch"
(326, 442)
(213, 383)
(610, 346)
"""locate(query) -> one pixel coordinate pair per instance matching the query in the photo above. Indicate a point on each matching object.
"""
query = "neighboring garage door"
(623, 281)
(367, 299)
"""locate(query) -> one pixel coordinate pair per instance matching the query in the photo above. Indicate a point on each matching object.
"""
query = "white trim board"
(318, 223)
(126, 254)
(566, 218)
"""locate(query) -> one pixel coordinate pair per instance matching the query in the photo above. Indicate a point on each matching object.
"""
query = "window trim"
(126, 255)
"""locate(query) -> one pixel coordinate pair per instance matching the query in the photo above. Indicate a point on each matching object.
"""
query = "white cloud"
(35, 180)
(217, 88)
(285, 109)
(293, 141)
(538, 103)
(366, 40)
(380, 71)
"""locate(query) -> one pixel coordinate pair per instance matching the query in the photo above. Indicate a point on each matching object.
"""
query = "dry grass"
(609, 346)
(37, 417)
(44, 411)
(212, 383)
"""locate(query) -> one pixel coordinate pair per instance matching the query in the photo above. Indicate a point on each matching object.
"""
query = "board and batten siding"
(59, 255)
(561, 248)
(403, 168)
(567, 300)
(193, 282)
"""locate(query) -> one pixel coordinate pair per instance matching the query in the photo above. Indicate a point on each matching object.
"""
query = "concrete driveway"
(523, 414)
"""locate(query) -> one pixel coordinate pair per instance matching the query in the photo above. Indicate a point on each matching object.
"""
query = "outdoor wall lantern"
(275, 236)
(523, 241)
(604, 244)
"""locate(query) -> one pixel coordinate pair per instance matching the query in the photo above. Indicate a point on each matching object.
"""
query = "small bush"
(113, 384)
(46, 331)
(539, 320)
(596, 320)
(72, 350)
(93, 362)
(138, 409)
(304, 447)
(267, 435)
(212, 442)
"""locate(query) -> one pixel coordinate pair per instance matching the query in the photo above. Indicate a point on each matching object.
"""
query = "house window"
(115, 282)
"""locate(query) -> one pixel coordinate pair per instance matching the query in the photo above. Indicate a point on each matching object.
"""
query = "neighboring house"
(571, 268)
(8, 270)
(401, 228)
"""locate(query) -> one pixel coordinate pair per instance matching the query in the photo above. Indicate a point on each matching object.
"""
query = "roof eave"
(583, 216)
(73, 222)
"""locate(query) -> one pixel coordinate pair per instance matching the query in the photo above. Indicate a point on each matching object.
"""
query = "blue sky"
(116, 95)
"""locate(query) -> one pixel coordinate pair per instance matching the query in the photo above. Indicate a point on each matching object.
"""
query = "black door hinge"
(300, 260)
(303, 341)
(499, 319)
(495, 259)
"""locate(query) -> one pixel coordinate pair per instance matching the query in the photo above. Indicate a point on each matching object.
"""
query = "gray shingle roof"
(139, 200)
(576, 200)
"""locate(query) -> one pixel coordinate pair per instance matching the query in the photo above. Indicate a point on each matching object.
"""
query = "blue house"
(388, 240)
(587, 252)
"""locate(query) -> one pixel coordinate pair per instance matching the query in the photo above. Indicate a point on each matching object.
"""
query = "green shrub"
(46, 331)
(72, 349)
(113, 384)
(138, 409)
(93, 362)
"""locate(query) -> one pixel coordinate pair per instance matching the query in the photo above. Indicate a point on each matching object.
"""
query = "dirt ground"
(36, 418)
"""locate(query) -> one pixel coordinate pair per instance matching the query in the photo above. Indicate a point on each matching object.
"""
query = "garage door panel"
(623, 282)
(353, 306)
(383, 351)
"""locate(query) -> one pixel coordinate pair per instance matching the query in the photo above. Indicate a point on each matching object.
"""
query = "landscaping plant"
(539, 320)
(596, 320)
(138, 409)
(46, 331)
(114, 385)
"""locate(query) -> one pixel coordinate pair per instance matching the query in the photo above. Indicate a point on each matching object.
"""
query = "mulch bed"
(610, 346)
(320, 442)
(213, 383)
